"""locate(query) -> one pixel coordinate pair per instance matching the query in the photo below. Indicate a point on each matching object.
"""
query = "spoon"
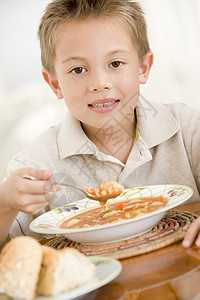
(89, 196)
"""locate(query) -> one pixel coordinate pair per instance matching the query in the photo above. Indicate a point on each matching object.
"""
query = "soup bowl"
(139, 222)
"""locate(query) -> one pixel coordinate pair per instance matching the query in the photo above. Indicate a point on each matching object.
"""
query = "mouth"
(103, 103)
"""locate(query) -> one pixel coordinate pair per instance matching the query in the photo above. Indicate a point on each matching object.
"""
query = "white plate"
(47, 223)
(106, 270)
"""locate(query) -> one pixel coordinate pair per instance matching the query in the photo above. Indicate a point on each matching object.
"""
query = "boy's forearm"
(7, 218)
(6, 221)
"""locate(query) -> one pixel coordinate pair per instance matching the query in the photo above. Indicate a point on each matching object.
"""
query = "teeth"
(103, 104)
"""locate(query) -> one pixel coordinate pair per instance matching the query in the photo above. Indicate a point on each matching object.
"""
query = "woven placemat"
(169, 230)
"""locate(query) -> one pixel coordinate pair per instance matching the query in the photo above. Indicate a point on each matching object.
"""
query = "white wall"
(19, 50)
(174, 33)
(27, 105)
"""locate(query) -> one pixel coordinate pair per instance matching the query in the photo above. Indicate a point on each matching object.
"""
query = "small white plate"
(106, 270)
(118, 231)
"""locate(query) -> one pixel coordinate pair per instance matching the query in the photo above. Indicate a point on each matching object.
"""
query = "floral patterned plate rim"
(107, 269)
(47, 223)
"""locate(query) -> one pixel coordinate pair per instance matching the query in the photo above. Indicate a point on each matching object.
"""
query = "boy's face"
(98, 71)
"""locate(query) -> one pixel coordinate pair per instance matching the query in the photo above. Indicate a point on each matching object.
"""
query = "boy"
(95, 54)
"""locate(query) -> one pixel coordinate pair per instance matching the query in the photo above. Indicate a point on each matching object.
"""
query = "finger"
(28, 200)
(197, 242)
(34, 208)
(49, 197)
(27, 186)
(191, 234)
(38, 174)
(37, 186)
(49, 185)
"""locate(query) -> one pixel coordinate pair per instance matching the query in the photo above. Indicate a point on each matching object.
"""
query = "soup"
(114, 212)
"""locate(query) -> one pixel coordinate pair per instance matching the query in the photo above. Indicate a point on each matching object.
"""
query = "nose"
(100, 81)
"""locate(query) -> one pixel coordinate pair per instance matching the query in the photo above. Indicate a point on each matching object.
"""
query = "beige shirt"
(165, 152)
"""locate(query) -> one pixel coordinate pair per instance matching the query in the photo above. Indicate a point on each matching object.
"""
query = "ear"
(145, 67)
(53, 83)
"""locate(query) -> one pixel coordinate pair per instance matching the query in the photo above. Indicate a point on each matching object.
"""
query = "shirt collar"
(155, 122)
(72, 140)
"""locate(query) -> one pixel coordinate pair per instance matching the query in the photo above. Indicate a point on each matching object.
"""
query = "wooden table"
(166, 274)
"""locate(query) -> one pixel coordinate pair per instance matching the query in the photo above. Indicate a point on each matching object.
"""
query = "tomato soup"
(114, 212)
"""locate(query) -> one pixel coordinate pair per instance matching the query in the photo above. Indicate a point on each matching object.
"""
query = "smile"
(103, 104)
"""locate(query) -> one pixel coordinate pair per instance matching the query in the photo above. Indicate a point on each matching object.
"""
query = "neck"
(115, 140)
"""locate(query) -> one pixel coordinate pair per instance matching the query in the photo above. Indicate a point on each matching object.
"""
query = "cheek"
(75, 104)
(73, 89)
(71, 94)
(130, 89)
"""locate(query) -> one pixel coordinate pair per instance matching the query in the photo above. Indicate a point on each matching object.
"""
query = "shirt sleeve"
(195, 152)
(15, 164)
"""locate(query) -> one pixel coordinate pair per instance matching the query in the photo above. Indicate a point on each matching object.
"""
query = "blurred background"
(27, 105)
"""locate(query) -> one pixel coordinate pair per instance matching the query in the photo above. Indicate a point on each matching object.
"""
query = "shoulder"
(51, 146)
(187, 117)
(177, 109)
(39, 153)
(188, 120)
(182, 111)
(43, 142)
(165, 120)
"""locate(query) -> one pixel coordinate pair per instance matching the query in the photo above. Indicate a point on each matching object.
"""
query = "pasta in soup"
(107, 188)
(114, 212)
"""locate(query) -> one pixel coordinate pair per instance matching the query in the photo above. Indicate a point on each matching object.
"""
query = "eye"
(78, 70)
(116, 64)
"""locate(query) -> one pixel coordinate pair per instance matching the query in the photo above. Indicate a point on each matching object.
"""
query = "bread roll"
(63, 270)
(20, 262)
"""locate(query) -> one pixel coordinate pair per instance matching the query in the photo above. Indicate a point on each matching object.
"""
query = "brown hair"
(58, 12)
